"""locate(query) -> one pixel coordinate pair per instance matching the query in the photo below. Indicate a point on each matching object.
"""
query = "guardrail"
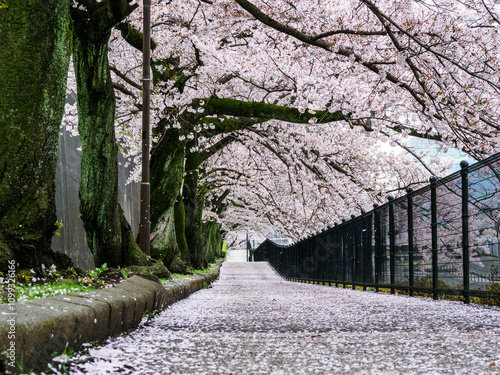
(441, 239)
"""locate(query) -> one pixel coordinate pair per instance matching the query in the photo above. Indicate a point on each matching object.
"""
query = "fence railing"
(441, 239)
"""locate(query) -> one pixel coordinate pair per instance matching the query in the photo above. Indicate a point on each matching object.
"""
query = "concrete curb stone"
(48, 325)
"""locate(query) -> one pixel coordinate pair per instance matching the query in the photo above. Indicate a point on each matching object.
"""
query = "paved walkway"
(253, 322)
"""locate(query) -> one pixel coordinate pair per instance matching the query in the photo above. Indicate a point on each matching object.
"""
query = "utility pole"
(145, 221)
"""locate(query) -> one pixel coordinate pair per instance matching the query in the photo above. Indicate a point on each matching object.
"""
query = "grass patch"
(207, 270)
(47, 282)
(210, 268)
(494, 287)
(174, 276)
(24, 292)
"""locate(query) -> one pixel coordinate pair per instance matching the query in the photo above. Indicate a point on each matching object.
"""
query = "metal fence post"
(337, 243)
(329, 245)
(378, 246)
(344, 253)
(353, 253)
(289, 261)
(411, 265)
(296, 259)
(248, 249)
(465, 227)
(392, 244)
(302, 259)
(364, 248)
(434, 238)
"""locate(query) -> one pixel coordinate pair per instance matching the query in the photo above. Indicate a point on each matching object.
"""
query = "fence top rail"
(434, 182)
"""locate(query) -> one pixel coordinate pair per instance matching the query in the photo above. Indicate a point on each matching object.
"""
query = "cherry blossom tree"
(304, 178)
(437, 62)
(373, 70)
(108, 233)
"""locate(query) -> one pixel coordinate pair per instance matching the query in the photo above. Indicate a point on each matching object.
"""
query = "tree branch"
(125, 78)
(234, 107)
(347, 31)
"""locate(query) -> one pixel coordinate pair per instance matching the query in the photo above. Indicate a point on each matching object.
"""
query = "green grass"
(24, 292)
(48, 281)
(174, 276)
(209, 269)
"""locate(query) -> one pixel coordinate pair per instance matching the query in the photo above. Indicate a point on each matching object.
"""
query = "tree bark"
(108, 233)
(167, 210)
(194, 203)
(34, 57)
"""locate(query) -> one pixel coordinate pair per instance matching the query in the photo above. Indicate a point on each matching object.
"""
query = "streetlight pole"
(145, 222)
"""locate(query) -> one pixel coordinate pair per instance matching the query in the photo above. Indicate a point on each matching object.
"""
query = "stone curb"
(47, 325)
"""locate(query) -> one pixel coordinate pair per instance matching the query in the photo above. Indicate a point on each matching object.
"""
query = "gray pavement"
(253, 322)
(236, 255)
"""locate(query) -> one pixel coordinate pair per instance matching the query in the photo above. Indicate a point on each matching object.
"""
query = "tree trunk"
(108, 232)
(34, 58)
(194, 203)
(212, 239)
(167, 210)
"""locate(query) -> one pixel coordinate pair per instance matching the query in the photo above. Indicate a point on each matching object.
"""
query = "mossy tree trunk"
(194, 193)
(35, 46)
(108, 233)
(194, 203)
(177, 203)
(168, 239)
(213, 240)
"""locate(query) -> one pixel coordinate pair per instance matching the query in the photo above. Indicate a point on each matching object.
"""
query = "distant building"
(453, 155)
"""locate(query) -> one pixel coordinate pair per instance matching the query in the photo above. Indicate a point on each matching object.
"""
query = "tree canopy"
(374, 70)
(275, 110)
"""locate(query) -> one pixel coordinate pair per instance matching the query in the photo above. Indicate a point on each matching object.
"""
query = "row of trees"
(229, 80)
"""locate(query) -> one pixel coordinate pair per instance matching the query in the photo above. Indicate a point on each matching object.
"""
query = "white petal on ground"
(253, 322)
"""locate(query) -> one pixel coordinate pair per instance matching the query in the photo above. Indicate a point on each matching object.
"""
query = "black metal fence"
(441, 239)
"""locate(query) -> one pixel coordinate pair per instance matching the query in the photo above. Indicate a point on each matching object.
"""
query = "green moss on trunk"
(180, 229)
(165, 244)
(167, 211)
(167, 169)
(214, 241)
(34, 56)
(108, 233)
(194, 203)
(234, 107)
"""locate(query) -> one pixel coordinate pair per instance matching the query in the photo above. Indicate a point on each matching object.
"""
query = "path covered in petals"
(251, 321)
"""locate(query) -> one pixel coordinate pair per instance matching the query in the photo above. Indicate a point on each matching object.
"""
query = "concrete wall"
(71, 239)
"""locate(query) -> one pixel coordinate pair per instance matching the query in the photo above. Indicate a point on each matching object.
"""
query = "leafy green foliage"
(98, 270)
(59, 225)
(493, 287)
